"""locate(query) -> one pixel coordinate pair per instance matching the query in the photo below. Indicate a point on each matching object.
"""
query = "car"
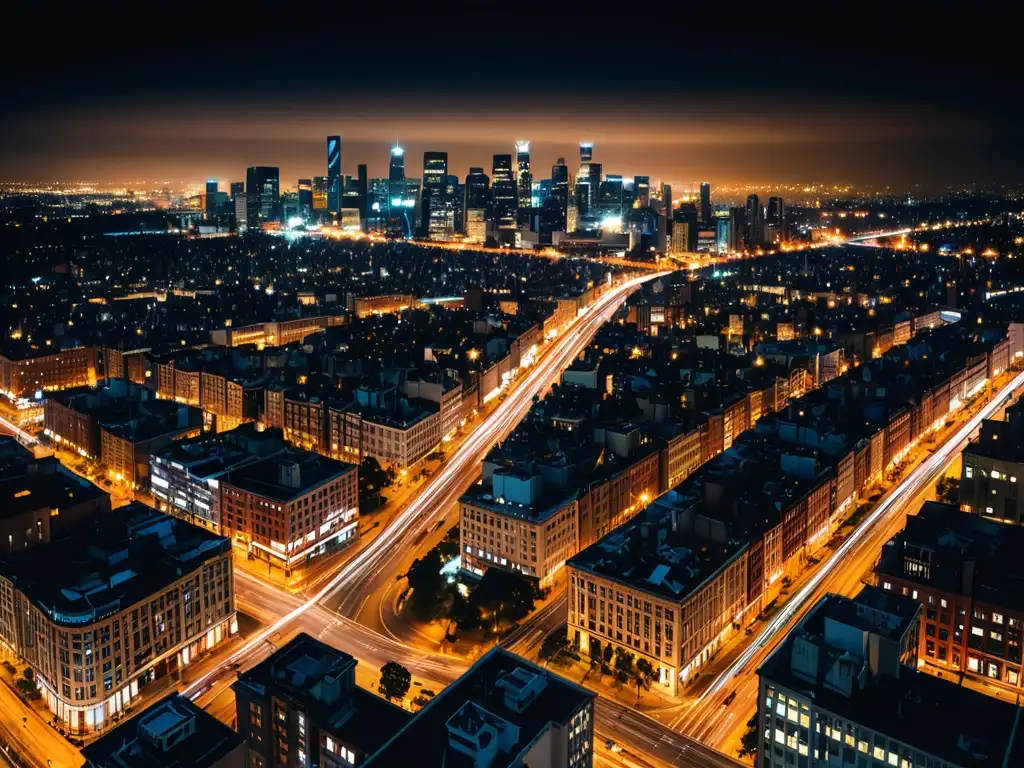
(611, 746)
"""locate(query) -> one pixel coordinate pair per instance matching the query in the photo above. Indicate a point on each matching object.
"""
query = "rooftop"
(506, 692)
(173, 733)
(658, 551)
(110, 563)
(287, 475)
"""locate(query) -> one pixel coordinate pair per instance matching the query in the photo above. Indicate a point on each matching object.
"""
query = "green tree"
(504, 596)
(428, 585)
(644, 674)
(749, 740)
(394, 681)
(948, 490)
(623, 665)
(372, 479)
(556, 646)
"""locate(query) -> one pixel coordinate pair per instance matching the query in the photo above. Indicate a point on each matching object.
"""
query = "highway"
(715, 724)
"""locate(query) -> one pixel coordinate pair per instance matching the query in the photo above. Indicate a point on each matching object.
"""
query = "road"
(713, 723)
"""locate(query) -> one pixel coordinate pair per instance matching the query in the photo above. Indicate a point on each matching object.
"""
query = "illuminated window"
(997, 618)
(968, 472)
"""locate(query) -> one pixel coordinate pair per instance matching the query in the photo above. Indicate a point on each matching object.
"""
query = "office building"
(319, 194)
(992, 469)
(211, 197)
(560, 191)
(755, 222)
(185, 476)
(334, 175)
(609, 200)
(776, 220)
(737, 229)
(291, 507)
(306, 199)
(139, 595)
(586, 151)
(722, 234)
(524, 176)
(841, 690)
(263, 190)
(504, 712)
(173, 733)
(705, 203)
(476, 198)
(362, 189)
(237, 188)
(301, 707)
(396, 174)
(642, 191)
(436, 212)
(504, 197)
(965, 572)
(684, 228)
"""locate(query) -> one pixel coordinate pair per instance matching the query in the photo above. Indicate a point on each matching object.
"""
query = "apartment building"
(992, 469)
(291, 507)
(25, 371)
(841, 689)
(663, 586)
(139, 596)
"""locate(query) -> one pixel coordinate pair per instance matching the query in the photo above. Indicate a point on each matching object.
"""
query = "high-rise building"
(560, 189)
(396, 176)
(503, 191)
(478, 189)
(334, 174)
(737, 229)
(684, 229)
(319, 193)
(237, 188)
(211, 197)
(241, 211)
(642, 191)
(586, 151)
(524, 176)
(776, 218)
(362, 185)
(263, 190)
(436, 213)
(755, 222)
(306, 198)
(705, 203)
(722, 234)
(610, 198)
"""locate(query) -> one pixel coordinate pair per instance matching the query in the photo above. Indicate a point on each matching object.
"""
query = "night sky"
(181, 93)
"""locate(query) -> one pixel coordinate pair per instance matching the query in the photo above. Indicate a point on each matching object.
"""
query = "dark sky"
(780, 94)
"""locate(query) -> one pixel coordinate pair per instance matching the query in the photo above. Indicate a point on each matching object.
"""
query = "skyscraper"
(306, 199)
(319, 193)
(737, 229)
(436, 220)
(610, 198)
(524, 176)
(642, 190)
(263, 194)
(396, 175)
(705, 203)
(334, 174)
(237, 188)
(503, 191)
(211, 197)
(560, 190)
(586, 151)
(776, 218)
(361, 185)
(477, 195)
(755, 222)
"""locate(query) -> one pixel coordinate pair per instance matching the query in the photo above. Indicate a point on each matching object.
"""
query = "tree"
(556, 646)
(644, 674)
(749, 740)
(948, 490)
(394, 681)
(372, 479)
(623, 665)
(427, 600)
(504, 596)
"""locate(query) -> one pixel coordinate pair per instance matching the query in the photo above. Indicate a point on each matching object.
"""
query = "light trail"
(908, 488)
(373, 557)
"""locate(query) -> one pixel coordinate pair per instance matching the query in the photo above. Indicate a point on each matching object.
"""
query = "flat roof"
(261, 477)
(135, 743)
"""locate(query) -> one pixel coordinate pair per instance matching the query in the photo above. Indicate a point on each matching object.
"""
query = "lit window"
(887, 585)
(878, 753)
(914, 594)
(894, 759)
(943, 603)
(968, 472)
(862, 746)
(972, 663)
(996, 635)
(997, 618)
(1013, 479)
(995, 475)
(977, 631)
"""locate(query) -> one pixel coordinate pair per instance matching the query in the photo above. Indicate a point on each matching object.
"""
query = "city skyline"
(789, 108)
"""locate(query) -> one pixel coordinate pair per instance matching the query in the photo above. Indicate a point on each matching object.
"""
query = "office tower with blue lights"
(524, 176)
(755, 222)
(263, 194)
(211, 197)
(503, 191)
(705, 204)
(334, 174)
(306, 198)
